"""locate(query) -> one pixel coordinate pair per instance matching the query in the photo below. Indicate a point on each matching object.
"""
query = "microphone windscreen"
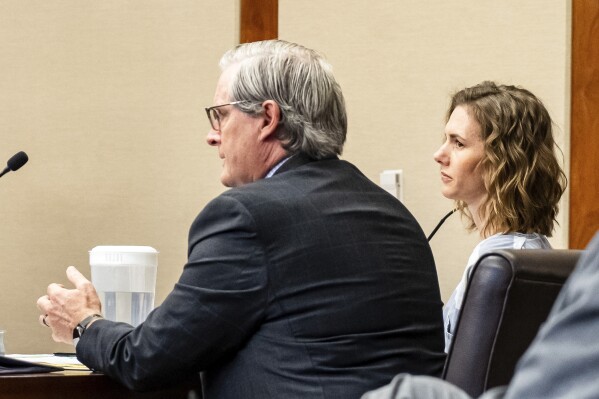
(17, 160)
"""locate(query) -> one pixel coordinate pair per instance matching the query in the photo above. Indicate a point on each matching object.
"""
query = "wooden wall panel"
(259, 20)
(584, 148)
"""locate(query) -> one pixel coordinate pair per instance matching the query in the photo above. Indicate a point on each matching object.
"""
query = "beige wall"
(107, 99)
(399, 61)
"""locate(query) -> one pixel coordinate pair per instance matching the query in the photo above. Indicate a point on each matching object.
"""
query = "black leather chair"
(508, 297)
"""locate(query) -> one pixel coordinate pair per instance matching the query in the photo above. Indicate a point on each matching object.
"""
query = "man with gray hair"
(305, 280)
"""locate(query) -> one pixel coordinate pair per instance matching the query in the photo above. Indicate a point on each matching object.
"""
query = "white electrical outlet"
(392, 182)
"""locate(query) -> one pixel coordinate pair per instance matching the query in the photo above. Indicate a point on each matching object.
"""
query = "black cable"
(440, 224)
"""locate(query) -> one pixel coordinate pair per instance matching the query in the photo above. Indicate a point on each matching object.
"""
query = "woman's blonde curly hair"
(522, 176)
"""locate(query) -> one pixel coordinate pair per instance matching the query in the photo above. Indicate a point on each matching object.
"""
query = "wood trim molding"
(259, 20)
(584, 136)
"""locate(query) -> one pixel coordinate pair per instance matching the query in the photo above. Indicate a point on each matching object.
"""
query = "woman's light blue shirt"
(452, 308)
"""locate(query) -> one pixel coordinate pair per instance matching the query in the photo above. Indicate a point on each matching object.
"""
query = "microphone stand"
(440, 224)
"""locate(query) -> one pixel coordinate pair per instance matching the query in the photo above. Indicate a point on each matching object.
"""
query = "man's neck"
(274, 169)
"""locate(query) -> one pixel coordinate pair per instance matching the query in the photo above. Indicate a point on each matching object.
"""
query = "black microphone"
(15, 162)
(440, 223)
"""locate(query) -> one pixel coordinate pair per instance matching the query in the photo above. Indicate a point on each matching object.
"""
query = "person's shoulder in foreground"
(562, 361)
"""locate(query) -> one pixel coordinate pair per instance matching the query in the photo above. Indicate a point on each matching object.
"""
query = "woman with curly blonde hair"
(498, 164)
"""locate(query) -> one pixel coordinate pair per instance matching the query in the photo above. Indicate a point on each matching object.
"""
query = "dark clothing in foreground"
(562, 361)
(314, 283)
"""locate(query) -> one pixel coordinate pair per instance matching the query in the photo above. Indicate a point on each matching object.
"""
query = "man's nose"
(213, 137)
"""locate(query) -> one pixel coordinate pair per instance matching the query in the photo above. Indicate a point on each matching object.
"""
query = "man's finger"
(54, 288)
(43, 303)
(76, 277)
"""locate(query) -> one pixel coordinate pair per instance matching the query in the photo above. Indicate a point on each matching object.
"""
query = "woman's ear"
(272, 117)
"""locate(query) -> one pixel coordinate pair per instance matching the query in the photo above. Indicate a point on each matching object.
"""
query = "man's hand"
(62, 309)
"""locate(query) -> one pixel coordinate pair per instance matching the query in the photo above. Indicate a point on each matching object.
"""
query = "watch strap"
(82, 326)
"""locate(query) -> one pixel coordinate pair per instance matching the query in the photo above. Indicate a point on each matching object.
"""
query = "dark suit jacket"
(314, 283)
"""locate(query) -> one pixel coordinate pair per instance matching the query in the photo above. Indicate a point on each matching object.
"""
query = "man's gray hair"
(301, 82)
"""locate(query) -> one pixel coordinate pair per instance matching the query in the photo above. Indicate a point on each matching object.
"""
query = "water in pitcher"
(2, 350)
(128, 307)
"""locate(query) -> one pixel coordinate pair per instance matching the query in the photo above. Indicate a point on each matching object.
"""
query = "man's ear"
(272, 117)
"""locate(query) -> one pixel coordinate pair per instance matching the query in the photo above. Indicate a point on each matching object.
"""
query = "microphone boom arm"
(440, 224)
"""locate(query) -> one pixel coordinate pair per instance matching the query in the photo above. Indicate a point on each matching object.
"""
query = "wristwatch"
(82, 326)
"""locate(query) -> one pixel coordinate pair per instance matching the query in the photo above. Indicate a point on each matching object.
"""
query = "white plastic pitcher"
(2, 350)
(125, 279)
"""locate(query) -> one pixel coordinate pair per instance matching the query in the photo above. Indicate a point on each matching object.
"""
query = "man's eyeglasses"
(213, 115)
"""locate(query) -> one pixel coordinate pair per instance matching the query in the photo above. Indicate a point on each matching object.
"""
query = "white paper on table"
(66, 362)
